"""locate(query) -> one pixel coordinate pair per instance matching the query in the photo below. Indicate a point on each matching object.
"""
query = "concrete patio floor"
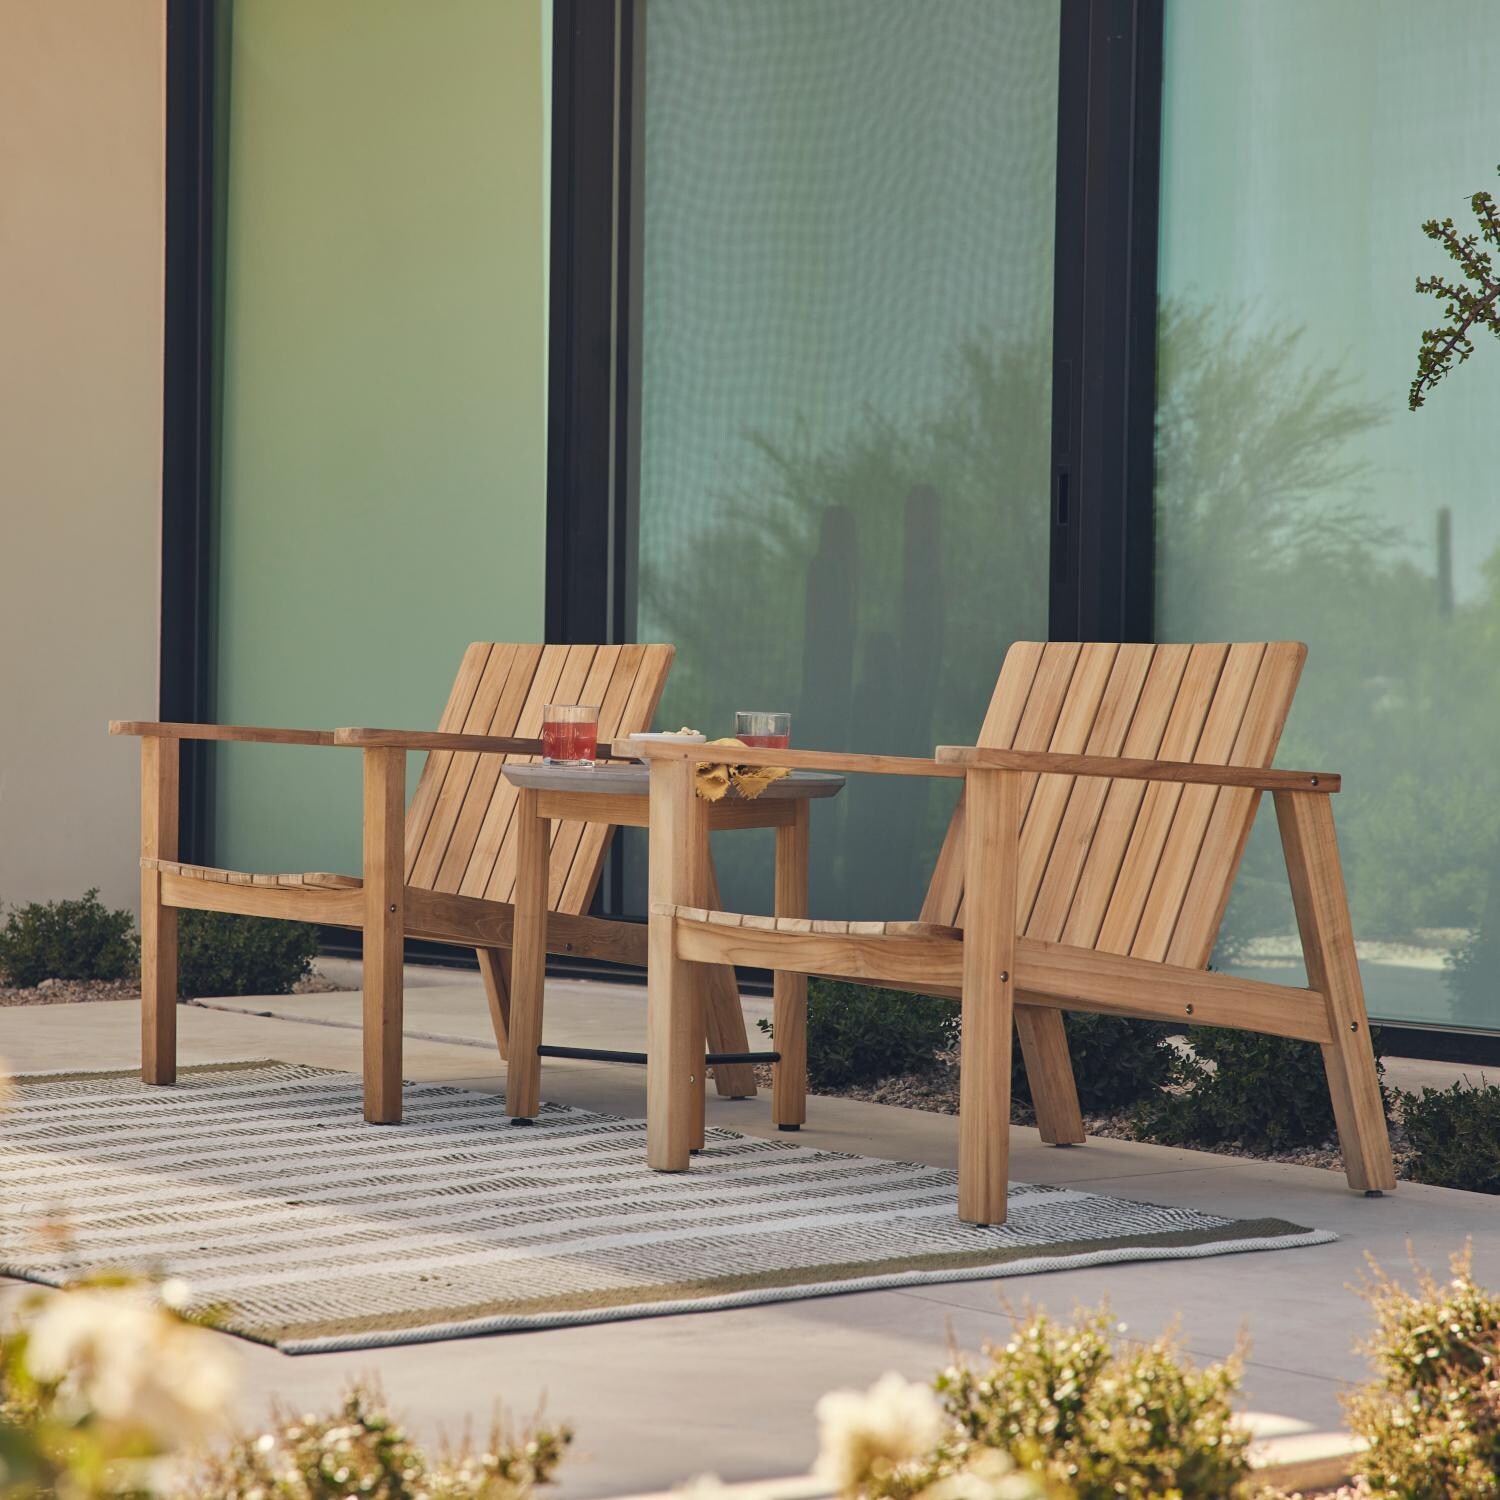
(659, 1400)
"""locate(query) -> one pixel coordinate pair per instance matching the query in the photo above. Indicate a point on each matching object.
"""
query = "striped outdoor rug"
(305, 1228)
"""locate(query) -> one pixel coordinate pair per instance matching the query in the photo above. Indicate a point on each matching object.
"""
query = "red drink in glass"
(570, 734)
(763, 729)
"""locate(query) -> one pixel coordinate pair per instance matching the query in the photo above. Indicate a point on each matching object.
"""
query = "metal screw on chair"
(1189, 1009)
(391, 908)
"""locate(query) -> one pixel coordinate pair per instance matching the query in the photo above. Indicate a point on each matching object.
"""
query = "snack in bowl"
(688, 736)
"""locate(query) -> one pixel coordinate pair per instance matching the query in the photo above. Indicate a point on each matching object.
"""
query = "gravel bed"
(937, 1092)
(73, 991)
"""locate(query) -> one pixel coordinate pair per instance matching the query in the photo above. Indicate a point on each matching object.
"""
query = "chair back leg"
(725, 1015)
(494, 969)
(1317, 880)
(159, 812)
(1049, 1071)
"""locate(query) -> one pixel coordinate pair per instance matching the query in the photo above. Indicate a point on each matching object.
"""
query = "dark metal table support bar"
(599, 1054)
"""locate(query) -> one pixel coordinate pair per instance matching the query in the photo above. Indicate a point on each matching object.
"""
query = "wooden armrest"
(434, 739)
(149, 729)
(796, 760)
(1259, 778)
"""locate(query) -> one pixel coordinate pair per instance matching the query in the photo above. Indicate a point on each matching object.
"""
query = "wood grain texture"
(523, 1077)
(342, 908)
(805, 760)
(1193, 914)
(1321, 903)
(1018, 671)
(160, 799)
(991, 862)
(494, 971)
(789, 989)
(384, 925)
(1188, 772)
(151, 729)
(725, 1014)
(674, 1019)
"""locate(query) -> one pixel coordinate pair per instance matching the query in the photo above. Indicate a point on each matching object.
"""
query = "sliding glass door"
(844, 214)
(1297, 496)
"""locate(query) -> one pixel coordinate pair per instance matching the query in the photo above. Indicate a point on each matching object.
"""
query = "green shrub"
(1431, 1417)
(860, 1035)
(1135, 1420)
(222, 953)
(1116, 1062)
(1456, 1133)
(1265, 1093)
(67, 940)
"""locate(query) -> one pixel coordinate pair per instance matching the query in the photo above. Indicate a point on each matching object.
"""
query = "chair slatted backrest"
(460, 827)
(1130, 867)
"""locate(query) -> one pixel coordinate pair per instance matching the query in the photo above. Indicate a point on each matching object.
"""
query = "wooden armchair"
(442, 869)
(1087, 867)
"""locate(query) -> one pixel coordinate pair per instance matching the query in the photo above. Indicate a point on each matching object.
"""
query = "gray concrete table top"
(634, 780)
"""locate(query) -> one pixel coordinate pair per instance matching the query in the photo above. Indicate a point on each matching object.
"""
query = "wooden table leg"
(726, 1012)
(384, 930)
(528, 959)
(789, 1002)
(674, 1011)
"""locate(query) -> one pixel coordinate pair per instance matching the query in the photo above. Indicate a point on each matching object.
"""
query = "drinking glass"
(766, 731)
(570, 734)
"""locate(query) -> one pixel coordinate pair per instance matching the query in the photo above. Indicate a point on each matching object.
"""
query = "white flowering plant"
(896, 1442)
(99, 1385)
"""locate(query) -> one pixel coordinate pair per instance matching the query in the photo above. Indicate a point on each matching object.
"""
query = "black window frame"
(1102, 545)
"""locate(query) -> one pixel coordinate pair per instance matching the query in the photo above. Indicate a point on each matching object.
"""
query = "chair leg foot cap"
(789, 1127)
(1374, 1193)
(521, 1120)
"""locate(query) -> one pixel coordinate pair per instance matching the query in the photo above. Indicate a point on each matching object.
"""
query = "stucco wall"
(81, 120)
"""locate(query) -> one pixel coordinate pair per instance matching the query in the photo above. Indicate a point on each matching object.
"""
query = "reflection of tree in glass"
(1262, 530)
(810, 589)
(871, 583)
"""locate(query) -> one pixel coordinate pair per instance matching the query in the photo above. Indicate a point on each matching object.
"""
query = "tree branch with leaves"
(1471, 302)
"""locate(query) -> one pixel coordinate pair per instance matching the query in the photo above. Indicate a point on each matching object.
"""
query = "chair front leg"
(384, 929)
(160, 762)
(990, 848)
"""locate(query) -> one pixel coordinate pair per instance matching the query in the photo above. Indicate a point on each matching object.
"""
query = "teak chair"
(1087, 867)
(442, 869)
